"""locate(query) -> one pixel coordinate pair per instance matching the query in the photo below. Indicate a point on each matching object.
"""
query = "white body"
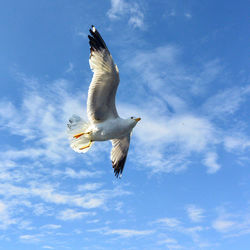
(110, 129)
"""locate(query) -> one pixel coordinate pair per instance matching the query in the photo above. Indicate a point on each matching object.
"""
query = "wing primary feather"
(119, 154)
(96, 37)
(93, 45)
(93, 42)
(119, 166)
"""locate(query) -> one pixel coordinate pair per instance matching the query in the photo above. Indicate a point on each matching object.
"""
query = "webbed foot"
(87, 146)
(80, 134)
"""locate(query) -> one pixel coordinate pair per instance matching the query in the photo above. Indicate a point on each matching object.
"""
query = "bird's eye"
(132, 117)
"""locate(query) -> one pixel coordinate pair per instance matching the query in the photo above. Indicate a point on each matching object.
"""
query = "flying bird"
(104, 122)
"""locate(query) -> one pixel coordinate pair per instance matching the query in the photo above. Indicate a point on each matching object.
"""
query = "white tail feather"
(76, 126)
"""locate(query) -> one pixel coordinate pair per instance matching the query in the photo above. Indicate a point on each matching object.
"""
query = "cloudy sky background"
(183, 69)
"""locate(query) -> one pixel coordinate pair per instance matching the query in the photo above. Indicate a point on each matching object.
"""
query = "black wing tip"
(95, 40)
(118, 167)
(92, 30)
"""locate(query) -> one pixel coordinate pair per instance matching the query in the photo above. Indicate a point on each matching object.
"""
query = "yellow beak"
(138, 119)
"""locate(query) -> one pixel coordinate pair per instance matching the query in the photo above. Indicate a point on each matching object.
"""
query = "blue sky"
(184, 70)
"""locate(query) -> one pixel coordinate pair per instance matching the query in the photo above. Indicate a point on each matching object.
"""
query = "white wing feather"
(119, 154)
(103, 87)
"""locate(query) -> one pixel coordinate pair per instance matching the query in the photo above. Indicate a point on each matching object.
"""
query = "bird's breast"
(108, 131)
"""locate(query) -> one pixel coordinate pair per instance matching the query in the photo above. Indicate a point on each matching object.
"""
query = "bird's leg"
(87, 146)
(80, 134)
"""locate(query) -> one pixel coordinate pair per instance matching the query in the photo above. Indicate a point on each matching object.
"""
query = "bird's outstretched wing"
(119, 154)
(102, 90)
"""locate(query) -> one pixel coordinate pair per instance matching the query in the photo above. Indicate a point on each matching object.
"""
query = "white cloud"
(5, 217)
(80, 174)
(129, 232)
(168, 241)
(41, 119)
(71, 173)
(71, 214)
(24, 224)
(162, 70)
(137, 17)
(204, 76)
(89, 186)
(226, 102)
(236, 141)
(120, 8)
(195, 213)
(223, 225)
(169, 222)
(31, 237)
(188, 15)
(92, 221)
(232, 224)
(50, 194)
(51, 226)
(164, 143)
(211, 162)
(41, 209)
(126, 233)
(190, 132)
(173, 225)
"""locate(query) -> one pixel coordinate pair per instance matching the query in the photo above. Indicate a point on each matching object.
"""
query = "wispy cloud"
(161, 68)
(195, 213)
(188, 15)
(129, 232)
(121, 8)
(69, 172)
(169, 222)
(30, 237)
(89, 186)
(174, 138)
(71, 214)
(122, 232)
(42, 121)
(51, 226)
(223, 225)
(211, 162)
(236, 141)
(118, 7)
(170, 243)
(226, 102)
(5, 217)
(50, 194)
(232, 224)
(177, 226)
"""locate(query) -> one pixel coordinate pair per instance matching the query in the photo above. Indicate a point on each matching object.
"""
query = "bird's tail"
(78, 134)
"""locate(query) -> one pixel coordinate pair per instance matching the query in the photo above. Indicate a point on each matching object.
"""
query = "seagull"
(103, 123)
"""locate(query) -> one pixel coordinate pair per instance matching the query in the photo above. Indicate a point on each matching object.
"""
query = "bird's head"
(133, 120)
